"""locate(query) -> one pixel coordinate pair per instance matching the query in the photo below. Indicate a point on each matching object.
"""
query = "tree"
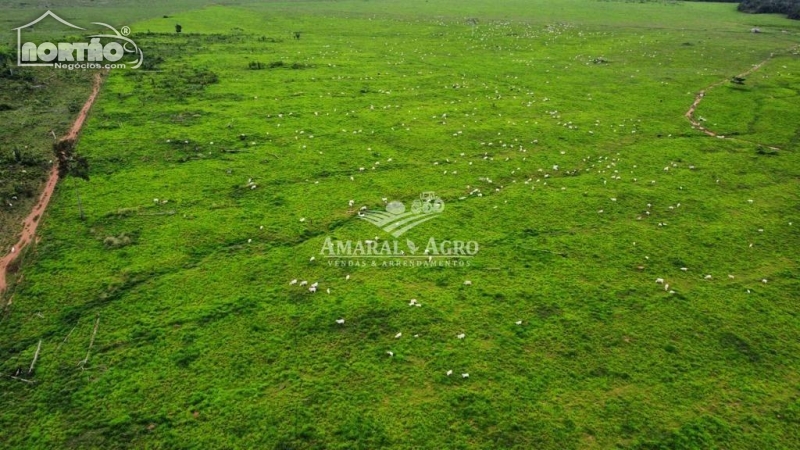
(71, 164)
(178, 28)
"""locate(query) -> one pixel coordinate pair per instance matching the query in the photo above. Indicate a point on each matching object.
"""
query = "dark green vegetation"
(35, 106)
(568, 119)
(788, 7)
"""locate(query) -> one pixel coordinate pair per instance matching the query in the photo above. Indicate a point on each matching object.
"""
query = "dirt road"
(700, 95)
(32, 221)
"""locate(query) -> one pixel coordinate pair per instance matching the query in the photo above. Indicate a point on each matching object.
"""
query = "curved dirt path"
(32, 221)
(700, 95)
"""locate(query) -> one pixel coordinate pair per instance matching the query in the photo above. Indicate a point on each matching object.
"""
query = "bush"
(203, 77)
(6, 56)
(278, 64)
(117, 242)
(152, 63)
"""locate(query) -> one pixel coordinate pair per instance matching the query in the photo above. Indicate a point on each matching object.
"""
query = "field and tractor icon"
(396, 221)
(427, 203)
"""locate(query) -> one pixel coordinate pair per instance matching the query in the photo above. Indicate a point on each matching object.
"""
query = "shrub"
(117, 242)
(203, 77)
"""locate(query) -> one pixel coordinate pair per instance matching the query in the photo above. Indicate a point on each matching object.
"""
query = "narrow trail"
(32, 221)
(700, 95)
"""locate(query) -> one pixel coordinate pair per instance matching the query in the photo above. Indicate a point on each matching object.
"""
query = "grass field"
(555, 134)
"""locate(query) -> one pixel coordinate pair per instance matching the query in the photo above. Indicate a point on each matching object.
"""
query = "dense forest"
(789, 7)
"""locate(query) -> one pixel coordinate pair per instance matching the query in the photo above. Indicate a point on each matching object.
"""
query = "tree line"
(789, 7)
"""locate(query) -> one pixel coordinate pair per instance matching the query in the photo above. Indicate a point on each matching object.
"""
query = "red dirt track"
(700, 95)
(32, 221)
(699, 98)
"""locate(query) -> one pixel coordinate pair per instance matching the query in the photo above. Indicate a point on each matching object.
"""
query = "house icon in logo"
(108, 46)
(32, 47)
